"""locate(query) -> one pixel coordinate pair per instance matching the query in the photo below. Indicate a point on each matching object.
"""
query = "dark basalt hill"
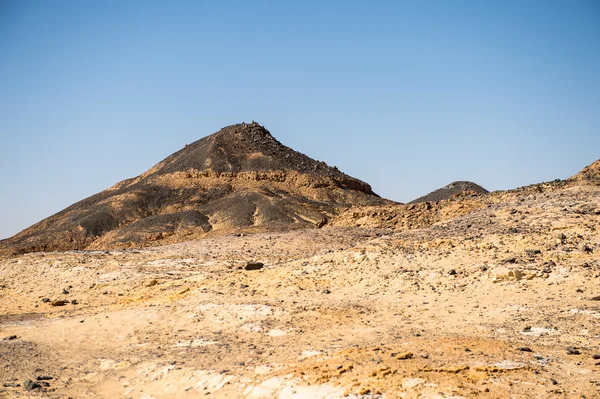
(240, 179)
(453, 189)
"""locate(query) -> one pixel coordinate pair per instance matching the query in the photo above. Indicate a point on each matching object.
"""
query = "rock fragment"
(403, 355)
(30, 385)
(532, 252)
(525, 349)
(571, 350)
(252, 265)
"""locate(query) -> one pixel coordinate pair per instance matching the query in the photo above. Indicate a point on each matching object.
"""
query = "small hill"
(457, 188)
(236, 180)
(589, 174)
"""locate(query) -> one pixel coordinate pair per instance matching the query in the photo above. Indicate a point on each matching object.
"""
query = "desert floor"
(503, 302)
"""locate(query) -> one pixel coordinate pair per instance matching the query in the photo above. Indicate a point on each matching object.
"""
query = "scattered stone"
(30, 385)
(252, 265)
(446, 369)
(321, 223)
(403, 355)
(74, 302)
(10, 338)
(525, 349)
(326, 291)
(43, 378)
(596, 356)
(65, 291)
(341, 369)
(586, 248)
(243, 286)
(11, 385)
(562, 236)
(571, 350)
(532, 252)
(59, 302)
(500, 367)
(452, 272)
(595, 298)
(184, 290)
(579, 290)
(45, 300)
(504, 273)
(152, 283)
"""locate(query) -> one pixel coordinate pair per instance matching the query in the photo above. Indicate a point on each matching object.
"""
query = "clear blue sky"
(406, 95)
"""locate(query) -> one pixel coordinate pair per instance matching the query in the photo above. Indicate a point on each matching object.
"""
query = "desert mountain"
(589, 174)
(451, 190)
(238, 179)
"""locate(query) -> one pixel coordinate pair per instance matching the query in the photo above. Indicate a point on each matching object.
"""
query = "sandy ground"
(502, 302)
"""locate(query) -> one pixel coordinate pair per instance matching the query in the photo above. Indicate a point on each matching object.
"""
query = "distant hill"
(451, 190)
(236, 180)
(589, 174)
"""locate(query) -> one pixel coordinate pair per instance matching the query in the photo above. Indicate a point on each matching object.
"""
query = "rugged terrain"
(240, 179)
(487, 296)
(282, 277)
(457, 188)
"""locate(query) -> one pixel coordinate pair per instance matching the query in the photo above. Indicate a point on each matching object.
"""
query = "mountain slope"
(452, 189)
(589, 174)
(238, 179)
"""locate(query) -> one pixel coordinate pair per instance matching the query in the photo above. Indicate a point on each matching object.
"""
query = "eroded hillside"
(493, 296)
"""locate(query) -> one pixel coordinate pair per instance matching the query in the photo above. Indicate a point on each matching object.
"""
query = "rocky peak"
(453, 189)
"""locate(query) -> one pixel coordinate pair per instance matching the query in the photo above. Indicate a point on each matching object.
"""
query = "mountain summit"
(239, 179)
(451, 190)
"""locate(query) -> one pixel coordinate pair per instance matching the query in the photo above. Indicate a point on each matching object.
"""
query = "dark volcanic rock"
(236, 180)
(252, 265)
(453, 189)
(30, 385)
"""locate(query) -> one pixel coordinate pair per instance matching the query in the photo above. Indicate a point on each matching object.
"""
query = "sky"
(405, 95)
